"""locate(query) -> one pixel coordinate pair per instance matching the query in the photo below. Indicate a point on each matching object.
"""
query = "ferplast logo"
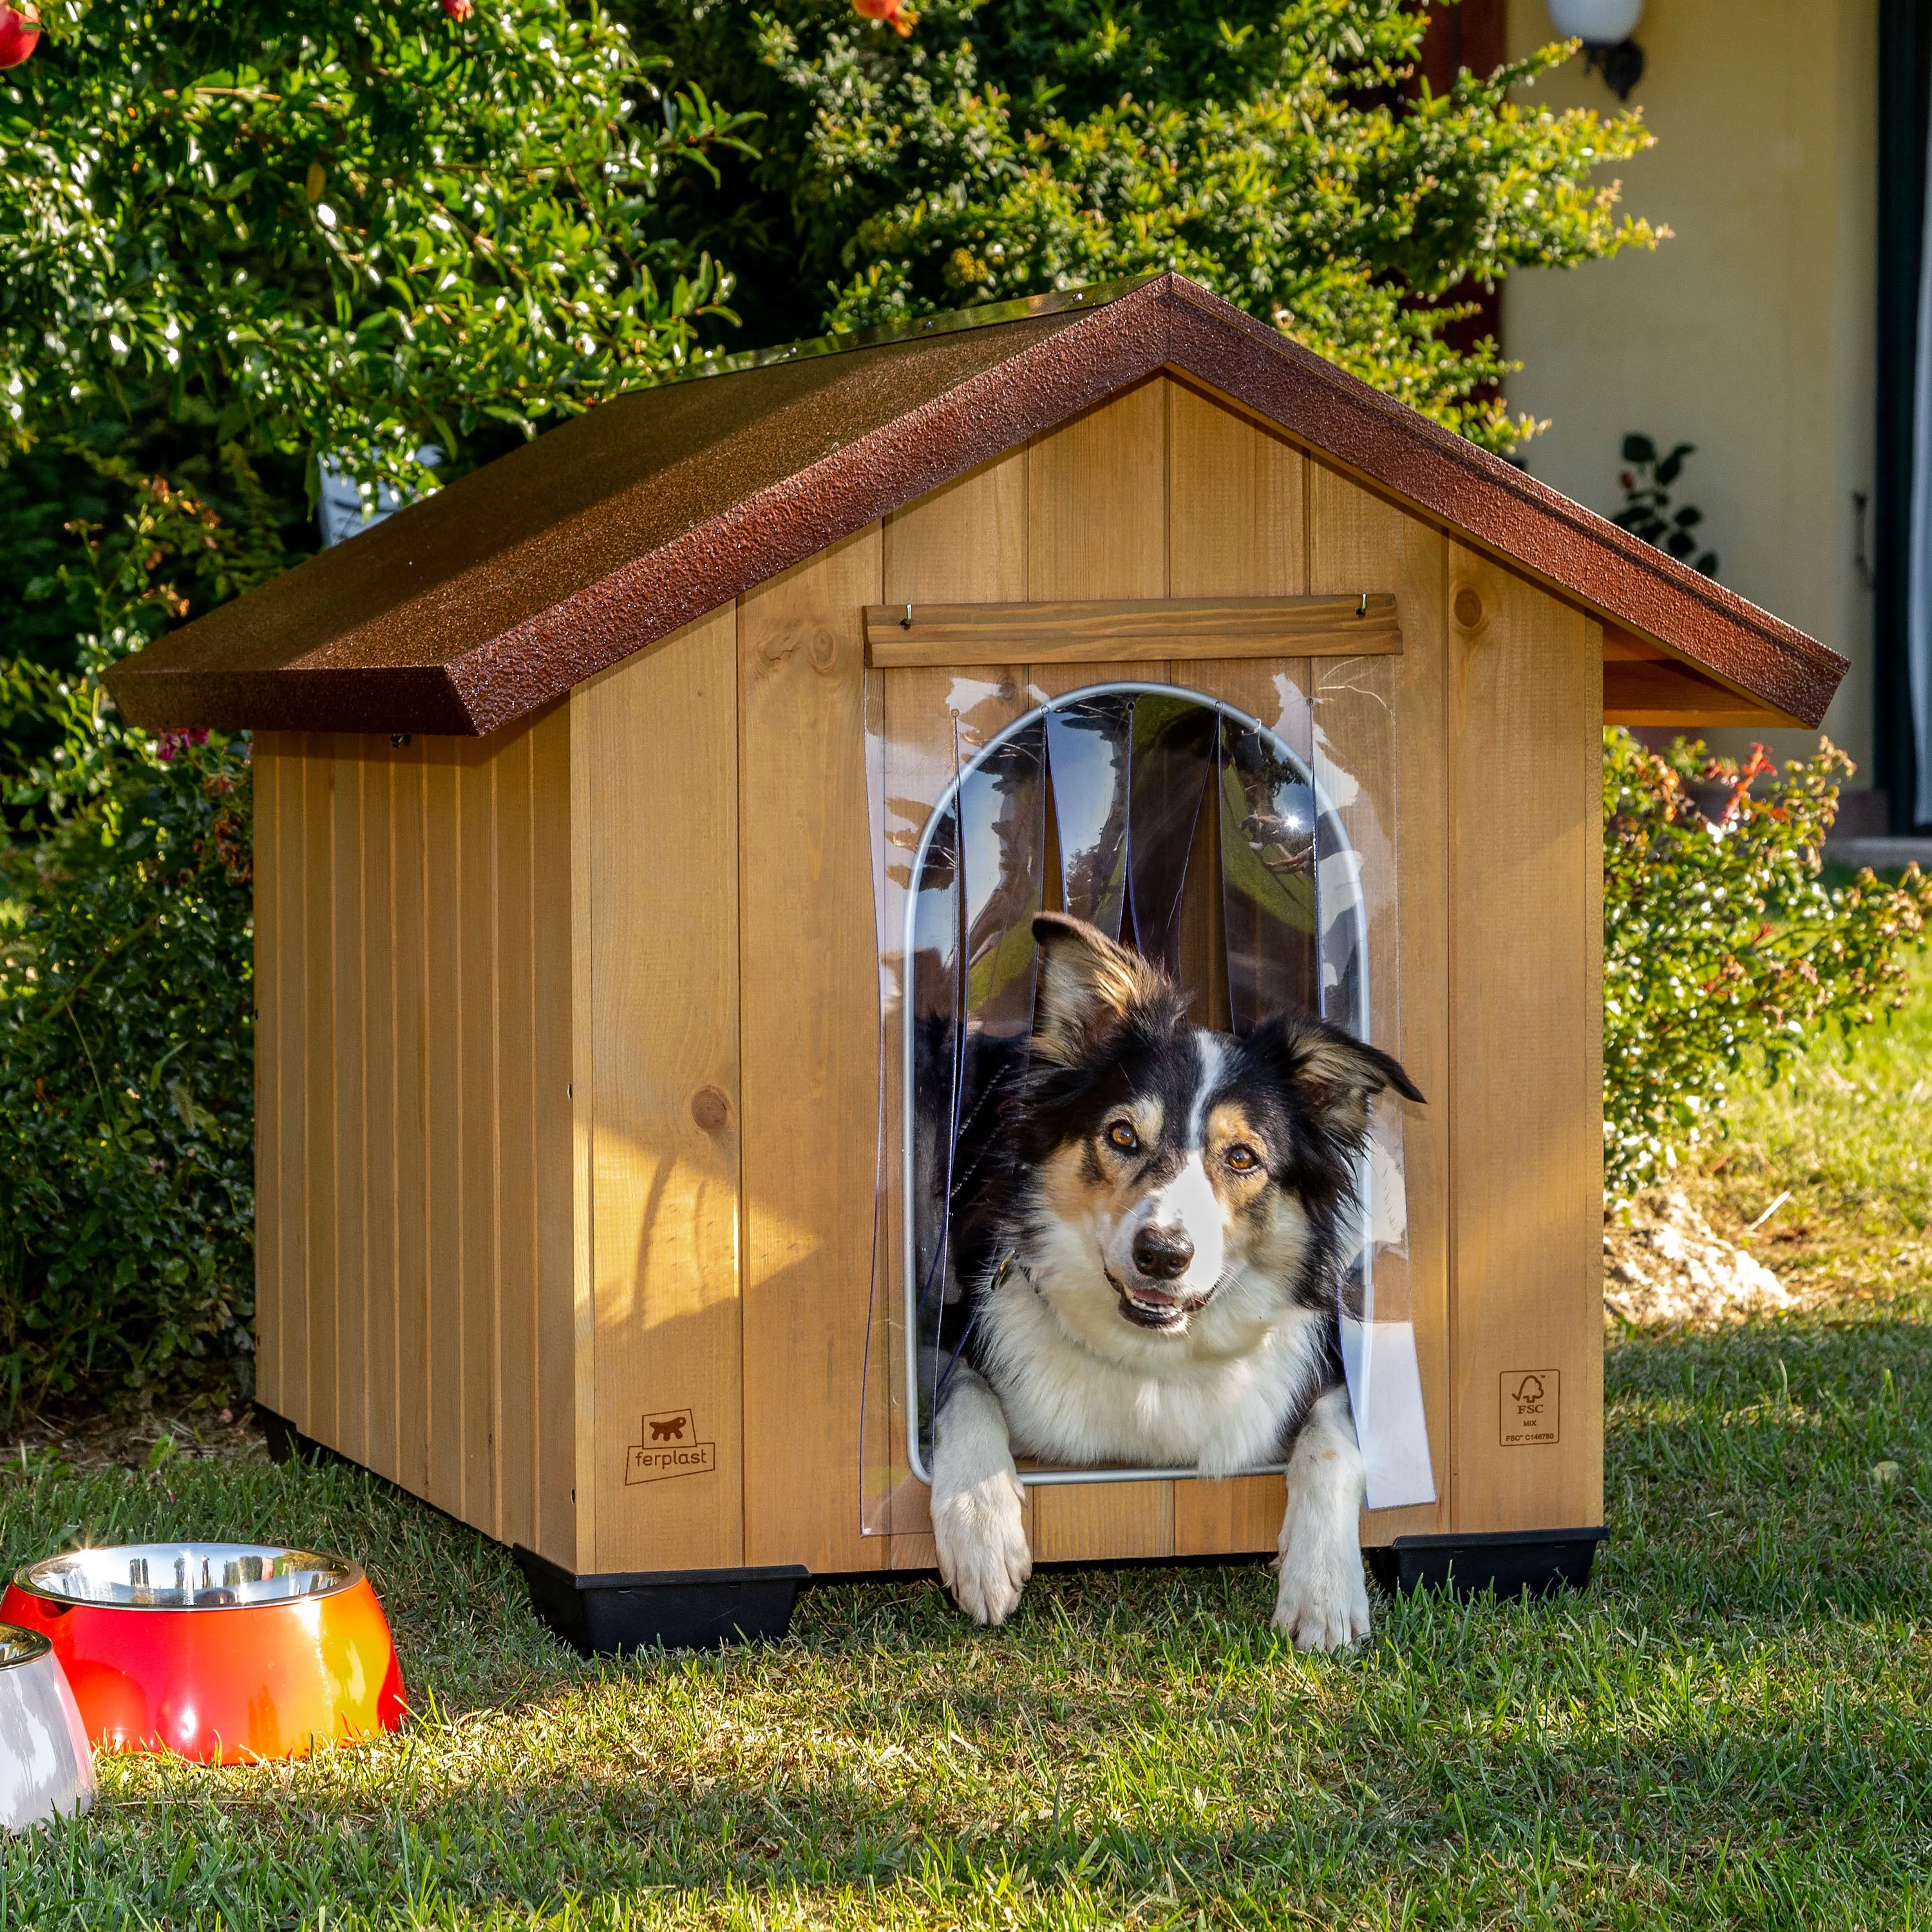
(1531, 1407)
(666, 1446)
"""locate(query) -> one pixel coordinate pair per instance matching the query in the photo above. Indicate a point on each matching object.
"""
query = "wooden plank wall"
(561, 1137)
(413, 1084)
(659, 1105)
(1169, 491)
(1526, 998)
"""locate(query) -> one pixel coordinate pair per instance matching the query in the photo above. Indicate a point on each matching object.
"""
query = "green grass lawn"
(1732, 1728)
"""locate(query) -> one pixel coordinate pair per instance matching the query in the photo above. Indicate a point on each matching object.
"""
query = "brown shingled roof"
(468, 610)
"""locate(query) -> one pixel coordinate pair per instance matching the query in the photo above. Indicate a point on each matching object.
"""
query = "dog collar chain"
(1008, 1262)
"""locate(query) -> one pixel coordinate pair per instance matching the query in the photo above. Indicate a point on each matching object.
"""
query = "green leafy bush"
(355, 228)
(237, 236)
(126, 1002)
(1722, 948)
(1265, 149)
(126, 1077)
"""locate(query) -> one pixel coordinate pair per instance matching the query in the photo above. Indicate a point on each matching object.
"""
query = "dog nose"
(1161, 1253)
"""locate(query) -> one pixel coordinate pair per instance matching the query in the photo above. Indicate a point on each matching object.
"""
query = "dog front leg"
(1323, 1603)
(978, 1525)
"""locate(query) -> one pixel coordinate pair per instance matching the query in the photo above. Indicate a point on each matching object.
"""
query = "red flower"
(896, 13)
(458, 10)
(20, 32)
(169, 743)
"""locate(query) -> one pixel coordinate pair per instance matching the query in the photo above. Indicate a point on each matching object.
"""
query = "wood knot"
(710, 1109)
(1469, 608)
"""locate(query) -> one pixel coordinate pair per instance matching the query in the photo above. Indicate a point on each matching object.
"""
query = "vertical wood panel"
(481, 1181)
(1086, 1522)
(381, 1178)
(444, 1363)
(292, 1350)
(554, 1534)
(273, 1175)
(1587, 1448)
(1241, 1513)
(413, 1144)
(1359, 542)
(409, 983)
(966, 542)
(1526, 1149)
(313, 1332)
(664, 986)
(810, 1056)
(1238, 499)
(1096, 510)
(1097, 526)
(515, 1353)
(583, 1158)
(350, 1364)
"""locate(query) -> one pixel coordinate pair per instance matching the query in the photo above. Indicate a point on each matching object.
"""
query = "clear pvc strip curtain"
(976, 787)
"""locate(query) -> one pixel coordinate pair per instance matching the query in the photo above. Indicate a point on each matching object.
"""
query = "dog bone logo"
(664, 1448)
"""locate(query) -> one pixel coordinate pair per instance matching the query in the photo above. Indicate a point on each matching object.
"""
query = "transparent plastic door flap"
(1355, 768)
(988, 801)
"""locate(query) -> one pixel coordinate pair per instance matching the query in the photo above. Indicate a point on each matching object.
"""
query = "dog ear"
(1338, 1075)
(1088, 985)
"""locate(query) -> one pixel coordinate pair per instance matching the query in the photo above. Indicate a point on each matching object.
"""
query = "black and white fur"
(1147, 1244)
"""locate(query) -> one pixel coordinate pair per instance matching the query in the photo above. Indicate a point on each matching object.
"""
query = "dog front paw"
(1323, 1604)
(980, 1533)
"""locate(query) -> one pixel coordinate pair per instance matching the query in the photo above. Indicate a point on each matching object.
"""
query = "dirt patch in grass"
(130, 1436)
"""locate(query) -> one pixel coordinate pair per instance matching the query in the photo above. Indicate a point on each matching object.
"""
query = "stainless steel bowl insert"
(20, 1646)
(187, 1576)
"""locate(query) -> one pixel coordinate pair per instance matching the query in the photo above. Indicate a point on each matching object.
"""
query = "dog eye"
(1121, 1136)
(1242, 1158)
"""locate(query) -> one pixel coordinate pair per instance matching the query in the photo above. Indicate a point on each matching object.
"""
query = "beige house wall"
(1751, 334)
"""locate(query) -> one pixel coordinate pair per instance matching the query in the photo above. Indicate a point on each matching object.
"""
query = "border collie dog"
(1148, 1242)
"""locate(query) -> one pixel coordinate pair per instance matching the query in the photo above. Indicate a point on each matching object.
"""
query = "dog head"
(1171, 1166)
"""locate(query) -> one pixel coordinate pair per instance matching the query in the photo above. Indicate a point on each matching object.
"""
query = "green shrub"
(298, 225)
(1722, 947)
(1266, 149)
(236, 237)
(126, 1002)
(126, 1076)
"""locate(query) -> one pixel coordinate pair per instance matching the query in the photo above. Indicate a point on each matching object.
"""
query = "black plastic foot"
(287, 1443)
(682, 1609)
(1512, 1562)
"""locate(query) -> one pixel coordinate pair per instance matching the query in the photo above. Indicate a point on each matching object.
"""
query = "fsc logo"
(1532, 1408)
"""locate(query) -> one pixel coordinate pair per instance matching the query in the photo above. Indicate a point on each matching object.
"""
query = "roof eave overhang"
(1169, 323)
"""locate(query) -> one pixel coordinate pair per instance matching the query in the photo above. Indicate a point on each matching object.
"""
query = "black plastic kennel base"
(682, 1609)
(285, 1442)
(1512, 1562)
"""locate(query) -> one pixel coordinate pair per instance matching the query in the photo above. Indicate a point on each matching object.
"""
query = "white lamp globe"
(1600, 23)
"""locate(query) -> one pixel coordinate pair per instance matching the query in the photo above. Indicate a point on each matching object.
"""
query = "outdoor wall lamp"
(1605, 28)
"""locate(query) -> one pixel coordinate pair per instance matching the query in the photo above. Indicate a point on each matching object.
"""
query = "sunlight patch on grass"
(1727, 1729)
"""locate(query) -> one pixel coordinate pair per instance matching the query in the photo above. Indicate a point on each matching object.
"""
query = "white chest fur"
(1151, 1401)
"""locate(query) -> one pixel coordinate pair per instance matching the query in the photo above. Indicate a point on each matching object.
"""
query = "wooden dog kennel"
(568, 1042)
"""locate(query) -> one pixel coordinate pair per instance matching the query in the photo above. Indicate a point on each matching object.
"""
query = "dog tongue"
(1148, 1296)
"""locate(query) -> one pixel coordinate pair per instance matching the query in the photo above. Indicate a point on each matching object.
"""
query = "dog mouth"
(1148, 1305)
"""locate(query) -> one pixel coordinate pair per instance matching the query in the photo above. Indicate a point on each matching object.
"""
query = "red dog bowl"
(217, 1651)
